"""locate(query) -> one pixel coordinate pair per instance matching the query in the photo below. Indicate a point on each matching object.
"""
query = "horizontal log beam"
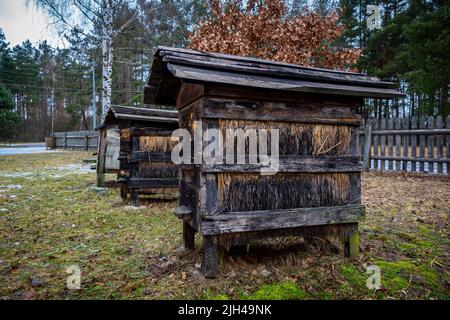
(301, 112)
(279, 219)
(158, 132)
(295, 164)
(156, 157)
(136, 183)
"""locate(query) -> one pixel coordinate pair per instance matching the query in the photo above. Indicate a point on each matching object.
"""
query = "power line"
(68, 89)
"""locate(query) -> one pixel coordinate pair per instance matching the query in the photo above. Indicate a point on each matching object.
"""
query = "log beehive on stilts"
(316, 112)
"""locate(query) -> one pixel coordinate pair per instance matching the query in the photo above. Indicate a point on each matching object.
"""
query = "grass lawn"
(50, 219)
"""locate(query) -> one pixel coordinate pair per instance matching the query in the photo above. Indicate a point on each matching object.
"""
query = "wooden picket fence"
(407, 144)
(76, 140)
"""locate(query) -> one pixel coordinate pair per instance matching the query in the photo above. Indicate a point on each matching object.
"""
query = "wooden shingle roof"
(139, 114)
(173, 65)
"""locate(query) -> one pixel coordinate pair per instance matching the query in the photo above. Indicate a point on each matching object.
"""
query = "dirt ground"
(51, 218)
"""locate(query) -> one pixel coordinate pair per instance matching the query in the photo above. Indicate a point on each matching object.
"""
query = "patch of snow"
(13, 175)
(11, 187)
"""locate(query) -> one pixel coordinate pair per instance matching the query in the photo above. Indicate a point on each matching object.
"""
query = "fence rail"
(407, 144)
(76, 140)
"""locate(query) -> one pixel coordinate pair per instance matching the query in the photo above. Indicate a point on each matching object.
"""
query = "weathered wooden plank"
(150, 183)
(422, 144)
(210, 256)
(398, 143)
(405, 143)
(270, 70)
(375, 126)
(355, 188)
(413, 144)
(189, 93)
(264, 82)
(295, 164)
(431, 145)
(291, 218)
(253, 94)
(367, 145)
(383, 143)
(440, 143)
(146, 118)
(134, 173)
(149, 156)
(158, 132)
(351, 244)
(101, 158)
(65, 141)
(447, 125)
(302, 112)
(188, 236)
(258, 62)
(390, 143)
(157, 113)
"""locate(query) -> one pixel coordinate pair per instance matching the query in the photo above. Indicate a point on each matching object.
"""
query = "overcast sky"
(20, 23)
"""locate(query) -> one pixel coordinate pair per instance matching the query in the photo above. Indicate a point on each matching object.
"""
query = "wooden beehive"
(143, 154)
(317, 112)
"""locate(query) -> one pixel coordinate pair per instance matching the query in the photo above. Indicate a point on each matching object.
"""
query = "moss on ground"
(278, 291)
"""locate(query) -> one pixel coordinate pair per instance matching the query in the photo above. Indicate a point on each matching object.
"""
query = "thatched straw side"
(250, 192)
(157, 144)
(343, 231)
(300, 139)
(158, 170)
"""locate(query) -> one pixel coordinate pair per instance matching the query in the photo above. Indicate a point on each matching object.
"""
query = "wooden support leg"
(351, 245)
(101, 160)
(210, 257)
(188, 236)
(124, 193)
(134, 198)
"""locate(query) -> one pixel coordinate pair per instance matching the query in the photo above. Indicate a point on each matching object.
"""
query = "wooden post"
(188, 236)
(376, 126)
(390, 144)
(86, 142)
(383, 144)
(351, 244)
(134, 171)
(124, 193)
(398, 143)
(414, 145)
(65, 141)
(447, 126)
(440, 144)
(422, 145)
(210, 256)
(367, 146)
(406, 139)
(101, 159)
(431, 145)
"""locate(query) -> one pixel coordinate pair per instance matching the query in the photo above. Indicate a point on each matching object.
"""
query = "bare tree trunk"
(107, 56)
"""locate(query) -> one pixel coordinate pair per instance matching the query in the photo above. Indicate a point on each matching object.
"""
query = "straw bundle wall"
(252, 192)
(299, 138)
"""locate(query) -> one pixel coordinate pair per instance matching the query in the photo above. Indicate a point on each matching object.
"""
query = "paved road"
(28, 148)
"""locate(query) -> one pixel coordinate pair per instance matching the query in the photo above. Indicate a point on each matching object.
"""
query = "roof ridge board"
(280, 73)
(250, 59)
(298, 85)
(148, 109)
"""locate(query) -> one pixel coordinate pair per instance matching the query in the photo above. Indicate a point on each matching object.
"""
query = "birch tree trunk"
(107, 55)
